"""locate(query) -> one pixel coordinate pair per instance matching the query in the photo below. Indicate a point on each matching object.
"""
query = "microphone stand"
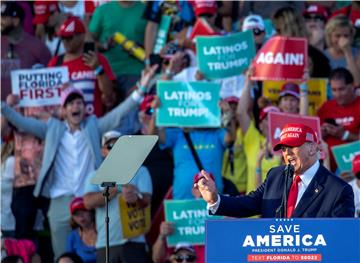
(106, 195)
(288, 172)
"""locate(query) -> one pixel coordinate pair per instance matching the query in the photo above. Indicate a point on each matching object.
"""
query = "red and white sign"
(39, 87)
(202, 28)
(277, 121)
(281, 58)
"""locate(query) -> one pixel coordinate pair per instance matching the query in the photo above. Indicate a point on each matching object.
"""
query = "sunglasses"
(188, 258)
(110, 146)
(67, 38)
(315, 18)
(257, 31)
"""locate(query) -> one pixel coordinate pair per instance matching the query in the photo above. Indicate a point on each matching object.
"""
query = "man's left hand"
(91, 59)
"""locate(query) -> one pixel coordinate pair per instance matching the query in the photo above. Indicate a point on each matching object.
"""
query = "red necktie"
(293, 196)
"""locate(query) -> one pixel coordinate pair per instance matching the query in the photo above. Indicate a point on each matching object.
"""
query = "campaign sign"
(189, 218)
(39, 87)
(232, 86)
(330, 240)
(277, 121)
(135, 219)
(162, 34)
(281, 58)
(317, 93)
(344, 154)
(225, 56)
(188, 104)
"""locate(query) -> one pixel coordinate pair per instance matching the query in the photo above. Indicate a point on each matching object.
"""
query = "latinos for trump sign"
(277, 121)
(344, 154)
(225, 56)
(281, 58)
(189, 218)
(188, 104)
(317, 92)
(39, 87)
(283, 240)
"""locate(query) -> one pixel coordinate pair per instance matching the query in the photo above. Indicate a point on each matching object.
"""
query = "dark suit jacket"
(326, 196)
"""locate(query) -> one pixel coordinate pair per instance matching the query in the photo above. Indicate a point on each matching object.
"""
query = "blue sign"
(283, 240)
(188, 104)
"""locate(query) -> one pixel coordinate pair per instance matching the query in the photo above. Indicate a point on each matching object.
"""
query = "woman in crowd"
(82, 238)
(288, 22)
(339, 35)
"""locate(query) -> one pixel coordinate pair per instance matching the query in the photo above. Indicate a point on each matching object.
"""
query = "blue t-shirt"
(76, 245)
(142, 181)
(210, 147)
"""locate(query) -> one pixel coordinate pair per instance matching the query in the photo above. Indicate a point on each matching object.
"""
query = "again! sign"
(281, 58)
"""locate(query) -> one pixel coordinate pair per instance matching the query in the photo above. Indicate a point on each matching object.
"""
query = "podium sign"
(283, 240)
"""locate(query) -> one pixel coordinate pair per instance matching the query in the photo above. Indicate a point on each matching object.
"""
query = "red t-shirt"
(347, 116)
(83, 77)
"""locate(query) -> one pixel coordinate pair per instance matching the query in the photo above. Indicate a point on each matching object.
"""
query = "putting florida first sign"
(283, 240)
(39, 87)
(281, 58)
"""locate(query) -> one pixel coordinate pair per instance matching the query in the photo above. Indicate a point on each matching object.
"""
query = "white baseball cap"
(253, 22)
(109, 136)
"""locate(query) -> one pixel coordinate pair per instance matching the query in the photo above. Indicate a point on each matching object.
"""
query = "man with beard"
(19, 50)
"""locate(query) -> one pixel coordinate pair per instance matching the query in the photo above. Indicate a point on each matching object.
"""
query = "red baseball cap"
(204, 7)
(295, 135)
(77, 204)
(71, 26)
(44, 9)
(356, 164)
(290, 88)
(316, 9)
(232, 99)
(264, 112)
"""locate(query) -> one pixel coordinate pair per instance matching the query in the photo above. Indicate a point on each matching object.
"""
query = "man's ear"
(313, 149)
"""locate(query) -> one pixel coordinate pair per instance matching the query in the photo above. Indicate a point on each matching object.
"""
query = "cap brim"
(65, 34)
(284, 93)
(289, 143)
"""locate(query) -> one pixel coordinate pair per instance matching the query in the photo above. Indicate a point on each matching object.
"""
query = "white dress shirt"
(73, 162)
(306, 178)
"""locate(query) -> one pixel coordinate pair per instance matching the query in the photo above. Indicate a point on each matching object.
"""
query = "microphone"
(289, 171)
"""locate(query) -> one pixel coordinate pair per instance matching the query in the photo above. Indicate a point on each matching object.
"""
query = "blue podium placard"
(283, 240)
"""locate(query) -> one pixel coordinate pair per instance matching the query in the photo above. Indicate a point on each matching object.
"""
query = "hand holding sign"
(12, 100)
(130, 193)
(166, 229)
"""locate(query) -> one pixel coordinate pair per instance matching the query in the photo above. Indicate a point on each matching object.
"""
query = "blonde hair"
(339, 21)
(289, 22)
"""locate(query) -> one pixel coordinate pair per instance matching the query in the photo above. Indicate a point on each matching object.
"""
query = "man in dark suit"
(312, 190)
